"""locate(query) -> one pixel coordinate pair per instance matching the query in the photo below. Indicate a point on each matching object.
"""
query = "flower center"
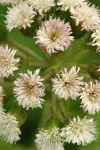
(53, 35)
(66, 84)
(92, 95)
(30, 87)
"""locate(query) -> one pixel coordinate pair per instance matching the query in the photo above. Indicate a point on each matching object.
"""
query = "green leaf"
(92, 69)
(27, 45)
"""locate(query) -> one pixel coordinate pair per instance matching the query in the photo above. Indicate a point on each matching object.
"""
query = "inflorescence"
(53, 35)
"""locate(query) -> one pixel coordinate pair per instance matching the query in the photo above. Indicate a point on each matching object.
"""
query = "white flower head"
(29, 89)
(69, 4)
(9, 1)
(9, 130)
(49, 139)
(20, 16)
(1, 95)
(96, 37)
(54, 35)
(67, 84)
(90, 97)
(87, 16)
(41, 5)
(8, 64)
(79, 131)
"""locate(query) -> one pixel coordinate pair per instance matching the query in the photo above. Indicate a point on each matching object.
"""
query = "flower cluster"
(29, 91)
(69, 85)
(53, 34)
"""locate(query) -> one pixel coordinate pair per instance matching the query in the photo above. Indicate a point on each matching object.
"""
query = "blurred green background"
(80, 54)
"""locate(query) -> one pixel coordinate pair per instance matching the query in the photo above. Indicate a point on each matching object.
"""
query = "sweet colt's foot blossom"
(67, 84)
(96, 37)
(29, 89)
(41, 5)
(8, 64)
(87, 16)
(90, 96)
(69, 4)
(20, 16)
(9, 130)
(80, 131)
(49, 139)
(54, 35)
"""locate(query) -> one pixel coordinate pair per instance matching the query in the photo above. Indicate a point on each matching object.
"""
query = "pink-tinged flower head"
(8, 64)
(90, 97)
(86, 16)
(54, 35)
(29, 89)
(67, 84)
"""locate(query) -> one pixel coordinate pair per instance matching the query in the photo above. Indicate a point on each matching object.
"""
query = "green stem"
(62, 111)
(54, 108)
(58, 109)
